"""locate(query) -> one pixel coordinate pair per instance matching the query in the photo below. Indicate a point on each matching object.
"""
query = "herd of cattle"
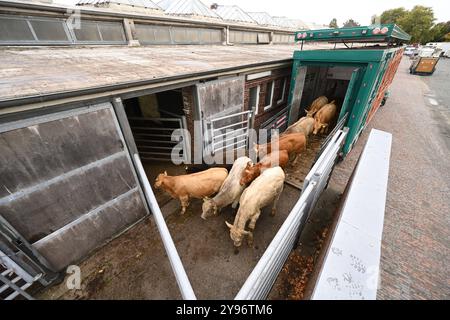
(252, 186)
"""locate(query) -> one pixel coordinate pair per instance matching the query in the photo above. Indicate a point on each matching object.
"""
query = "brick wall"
(277, 75)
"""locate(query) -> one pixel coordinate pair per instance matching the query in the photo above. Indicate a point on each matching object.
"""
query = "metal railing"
(154, 137)
(230, 132)
(263, 276)
(278, 121)
(175, 262)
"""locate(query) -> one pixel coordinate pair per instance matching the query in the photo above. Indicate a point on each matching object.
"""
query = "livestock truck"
(79, 152)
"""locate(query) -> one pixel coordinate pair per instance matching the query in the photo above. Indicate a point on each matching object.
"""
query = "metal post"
(177, 266)
(187, 142)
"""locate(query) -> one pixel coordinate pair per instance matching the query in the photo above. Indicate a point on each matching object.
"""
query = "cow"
(316, 106)
(305, 125)
(196, 185)
(262, 191)
(324, 117)
(293, 143)
(273, 159)
(229, 192)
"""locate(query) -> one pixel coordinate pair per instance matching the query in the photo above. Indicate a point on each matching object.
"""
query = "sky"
(322, 11)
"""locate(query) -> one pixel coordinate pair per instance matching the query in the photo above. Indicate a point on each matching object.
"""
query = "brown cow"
(293, 143)
(273, 159)
(196, 185)
(324, 117)
(316, 106)
(304, 125)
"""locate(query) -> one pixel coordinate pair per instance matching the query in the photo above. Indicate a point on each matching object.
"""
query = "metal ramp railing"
(278, 121)
(260, 281)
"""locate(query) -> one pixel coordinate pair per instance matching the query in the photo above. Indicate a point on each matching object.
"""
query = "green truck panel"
(364, 74)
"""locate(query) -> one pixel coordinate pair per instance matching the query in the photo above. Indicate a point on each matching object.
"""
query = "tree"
(418, 23)
(351, 23)
(447, 37)
(333, 23)
(393, 15)
(440, 31)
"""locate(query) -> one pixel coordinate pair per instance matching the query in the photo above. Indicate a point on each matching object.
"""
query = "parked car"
(410, 51)
(444, 46)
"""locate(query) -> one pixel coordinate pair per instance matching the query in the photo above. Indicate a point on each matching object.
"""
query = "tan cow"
(293, 143)
(262, 191)
(324, 117)
(304, 125)
(316, 106)
(196, 185)
(229, 192)
(273, 159)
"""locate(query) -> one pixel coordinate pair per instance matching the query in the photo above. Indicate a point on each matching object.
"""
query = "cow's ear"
(165, 173)
(228, 224)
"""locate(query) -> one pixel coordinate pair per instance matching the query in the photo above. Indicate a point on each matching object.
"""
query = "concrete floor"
(415, 256)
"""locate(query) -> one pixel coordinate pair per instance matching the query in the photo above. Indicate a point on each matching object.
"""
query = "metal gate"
(259, 283)
(230, 132)
(155, 138)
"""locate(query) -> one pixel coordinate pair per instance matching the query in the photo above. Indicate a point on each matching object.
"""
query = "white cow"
(229, 192)
(262, 191)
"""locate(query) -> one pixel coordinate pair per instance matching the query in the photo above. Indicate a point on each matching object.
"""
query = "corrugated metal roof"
(233, 13)
(262, 18)
(300, 24)
(187, 7)
(136, 3)
(284, 22)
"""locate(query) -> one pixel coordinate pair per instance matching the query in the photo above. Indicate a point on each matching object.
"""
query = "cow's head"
(236, 235)
(249, 174)
(209, 208)
(318, 126)
(159, 179)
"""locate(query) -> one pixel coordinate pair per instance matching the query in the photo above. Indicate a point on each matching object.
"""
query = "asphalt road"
(438, 96)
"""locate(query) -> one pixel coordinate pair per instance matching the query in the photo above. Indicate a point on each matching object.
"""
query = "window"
(281, 93)
(269, 95)
(48, 30)
(253, 98)
(263, 38)
(87, 32)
